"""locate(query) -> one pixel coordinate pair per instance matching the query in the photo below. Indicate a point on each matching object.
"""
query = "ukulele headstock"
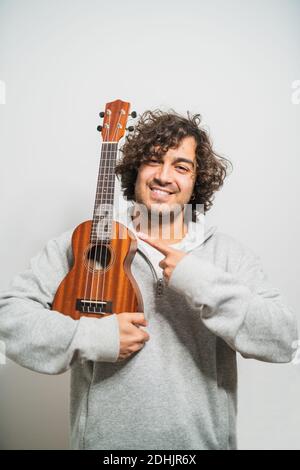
(115, 120)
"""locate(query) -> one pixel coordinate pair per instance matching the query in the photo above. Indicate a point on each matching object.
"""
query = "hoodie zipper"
(159, 287)
(159, 280)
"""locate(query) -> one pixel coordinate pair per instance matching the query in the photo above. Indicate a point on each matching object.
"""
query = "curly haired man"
(165, 378)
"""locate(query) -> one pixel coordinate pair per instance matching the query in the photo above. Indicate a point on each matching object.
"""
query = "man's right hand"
(132, 338)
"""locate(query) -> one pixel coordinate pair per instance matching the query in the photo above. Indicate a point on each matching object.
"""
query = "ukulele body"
(100, 281)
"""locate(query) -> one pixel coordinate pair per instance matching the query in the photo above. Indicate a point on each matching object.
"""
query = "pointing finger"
(158, 244)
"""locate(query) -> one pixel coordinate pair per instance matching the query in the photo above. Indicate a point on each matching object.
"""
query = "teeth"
(158, 191)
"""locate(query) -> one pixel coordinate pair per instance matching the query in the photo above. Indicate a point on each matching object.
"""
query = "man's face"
(169, 182)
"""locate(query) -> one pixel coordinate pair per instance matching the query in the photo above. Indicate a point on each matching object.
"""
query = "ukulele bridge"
(93, 306)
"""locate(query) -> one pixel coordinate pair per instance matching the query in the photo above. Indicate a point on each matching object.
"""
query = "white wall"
(235, 63)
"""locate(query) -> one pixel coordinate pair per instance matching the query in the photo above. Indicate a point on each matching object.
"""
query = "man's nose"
(164, 173)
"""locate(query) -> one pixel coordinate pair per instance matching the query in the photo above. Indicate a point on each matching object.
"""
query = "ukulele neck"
(104, 201)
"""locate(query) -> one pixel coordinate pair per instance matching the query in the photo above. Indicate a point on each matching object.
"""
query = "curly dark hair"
(155, 133)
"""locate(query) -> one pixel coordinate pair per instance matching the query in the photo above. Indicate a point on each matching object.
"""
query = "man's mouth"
(156, 191)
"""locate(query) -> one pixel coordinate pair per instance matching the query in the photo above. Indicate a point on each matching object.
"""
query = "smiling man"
(165, 378)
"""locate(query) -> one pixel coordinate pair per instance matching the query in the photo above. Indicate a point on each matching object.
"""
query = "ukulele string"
(104, 199)
(90, 270)
(94, 229)
(104, 152)
(112, 152)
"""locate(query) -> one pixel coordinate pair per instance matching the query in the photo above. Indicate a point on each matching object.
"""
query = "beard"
(164, 213)
(156, 218)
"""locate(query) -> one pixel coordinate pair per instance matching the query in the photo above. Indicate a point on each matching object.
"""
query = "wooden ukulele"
(100, 282)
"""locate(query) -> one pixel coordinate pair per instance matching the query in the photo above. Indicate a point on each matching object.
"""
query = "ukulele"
(100, 281)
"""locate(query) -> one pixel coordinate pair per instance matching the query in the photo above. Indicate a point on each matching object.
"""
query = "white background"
(232, 61)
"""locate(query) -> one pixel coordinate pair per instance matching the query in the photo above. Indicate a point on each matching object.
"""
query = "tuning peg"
(130, 128)
(133, 114)
(99, 128)
(102, 114)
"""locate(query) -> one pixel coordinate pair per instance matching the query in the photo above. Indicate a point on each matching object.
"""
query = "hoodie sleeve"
(45, 340)
(240, 306)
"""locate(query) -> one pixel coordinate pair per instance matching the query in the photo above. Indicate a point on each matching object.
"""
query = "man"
(164, 378)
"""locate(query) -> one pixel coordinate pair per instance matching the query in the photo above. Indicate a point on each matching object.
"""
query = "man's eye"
(153, 160)
(182, 168)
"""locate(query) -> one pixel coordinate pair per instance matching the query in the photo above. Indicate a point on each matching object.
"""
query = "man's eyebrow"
(183, 159)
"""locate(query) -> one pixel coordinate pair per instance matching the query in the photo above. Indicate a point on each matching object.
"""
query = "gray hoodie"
(180, 390)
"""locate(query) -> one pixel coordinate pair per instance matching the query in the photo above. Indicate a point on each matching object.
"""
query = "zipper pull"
(160, 287)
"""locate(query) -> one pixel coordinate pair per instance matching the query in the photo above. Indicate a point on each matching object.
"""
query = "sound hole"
(98, 257)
